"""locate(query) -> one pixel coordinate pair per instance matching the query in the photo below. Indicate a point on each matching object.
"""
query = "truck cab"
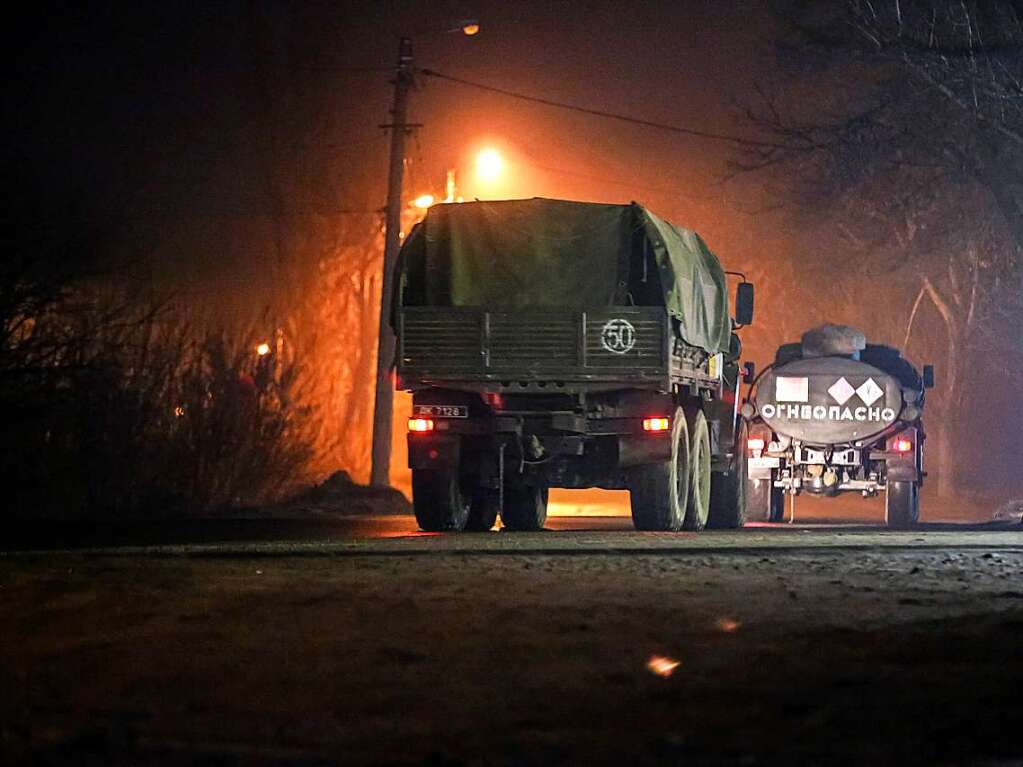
(550, 343)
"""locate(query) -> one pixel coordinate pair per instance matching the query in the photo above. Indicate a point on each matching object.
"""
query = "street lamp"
(489, 164)
(383, 411)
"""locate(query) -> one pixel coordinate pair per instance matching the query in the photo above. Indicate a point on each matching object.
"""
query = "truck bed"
(532, 348)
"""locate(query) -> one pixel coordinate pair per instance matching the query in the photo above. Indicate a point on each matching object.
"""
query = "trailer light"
(755, 444)
(420, 424)
(656, 424)
(903, 445)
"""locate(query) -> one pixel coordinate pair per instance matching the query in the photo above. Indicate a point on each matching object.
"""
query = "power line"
(613, 181)
(710, 135)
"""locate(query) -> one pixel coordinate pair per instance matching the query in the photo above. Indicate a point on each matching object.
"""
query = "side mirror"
(928, 376)
(744, 303)
(749, 372)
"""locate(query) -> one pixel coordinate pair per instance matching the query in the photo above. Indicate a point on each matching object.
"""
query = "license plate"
(441, 411)
(760, 468)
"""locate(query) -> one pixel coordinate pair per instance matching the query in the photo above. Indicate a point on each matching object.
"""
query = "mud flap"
(902, 471)
(433, 452)
(645, 449)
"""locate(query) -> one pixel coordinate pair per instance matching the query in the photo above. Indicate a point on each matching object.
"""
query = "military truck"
(834, 414)
(550, 343)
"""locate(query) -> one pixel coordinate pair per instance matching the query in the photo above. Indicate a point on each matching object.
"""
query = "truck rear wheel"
(483, 510)
(659, 492)
(728, 490)
(525, 506)
(698, 505)
(764, 501)
(902, 505)
(438, 501)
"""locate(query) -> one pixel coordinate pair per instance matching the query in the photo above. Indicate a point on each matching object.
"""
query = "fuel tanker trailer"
(551, 343)
(834, 414)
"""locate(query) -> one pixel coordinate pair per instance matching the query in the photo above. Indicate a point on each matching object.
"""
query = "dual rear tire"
(444, 502)
(764, 501)
(902, 505)
(440, 500)
(675, 494)
(525, 507)
(728, 497)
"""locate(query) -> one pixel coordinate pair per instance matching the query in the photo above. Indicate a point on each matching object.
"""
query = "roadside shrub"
(120, 410)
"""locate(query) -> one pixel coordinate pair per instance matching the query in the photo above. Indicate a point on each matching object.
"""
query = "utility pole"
(383, 411)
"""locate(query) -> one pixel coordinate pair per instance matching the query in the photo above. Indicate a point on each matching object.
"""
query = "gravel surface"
(793, 646)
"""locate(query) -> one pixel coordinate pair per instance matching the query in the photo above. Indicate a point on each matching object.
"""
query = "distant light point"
(661, 665)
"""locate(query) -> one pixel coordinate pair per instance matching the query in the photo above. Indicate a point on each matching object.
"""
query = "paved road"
(336, 641)
(367, 534)
(588, 518)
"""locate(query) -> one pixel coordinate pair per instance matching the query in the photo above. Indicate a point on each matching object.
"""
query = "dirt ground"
(793, 647)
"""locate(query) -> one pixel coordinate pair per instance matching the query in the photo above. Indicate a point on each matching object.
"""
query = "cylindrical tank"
(828, 400)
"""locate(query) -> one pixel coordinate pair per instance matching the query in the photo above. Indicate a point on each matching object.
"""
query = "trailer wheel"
(728, 490)
(902, 505)
(438, 501)
(525, 506)
(698, 505)
(483, 510)
(764, 502)
(659, 492)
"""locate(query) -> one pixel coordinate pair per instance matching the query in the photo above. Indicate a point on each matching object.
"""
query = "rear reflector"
(656, 424)
(756, 444)
(420, 424)
(903, 445)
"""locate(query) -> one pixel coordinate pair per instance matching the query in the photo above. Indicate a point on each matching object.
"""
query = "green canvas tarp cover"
(556, 254)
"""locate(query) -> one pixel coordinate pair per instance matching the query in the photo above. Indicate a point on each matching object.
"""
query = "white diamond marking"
(841, 390)
(869, 392)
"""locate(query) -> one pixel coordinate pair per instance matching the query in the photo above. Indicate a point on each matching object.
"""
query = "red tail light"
(902, 445)
(755, 444)
(420, 424)
(656, 424)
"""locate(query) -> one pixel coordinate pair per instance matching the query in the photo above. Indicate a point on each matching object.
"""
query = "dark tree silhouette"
(902, 125)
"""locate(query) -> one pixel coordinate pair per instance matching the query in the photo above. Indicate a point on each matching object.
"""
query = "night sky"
(168, 119)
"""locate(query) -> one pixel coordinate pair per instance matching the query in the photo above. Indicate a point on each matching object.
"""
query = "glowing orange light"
(263, 349)
(756, 444)
(656, 424)
(903, 445)
(728, 625)
(662, 666)
(179, 411)
(423, 201)
(489, 164)
(420, 424)
(470, 28)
